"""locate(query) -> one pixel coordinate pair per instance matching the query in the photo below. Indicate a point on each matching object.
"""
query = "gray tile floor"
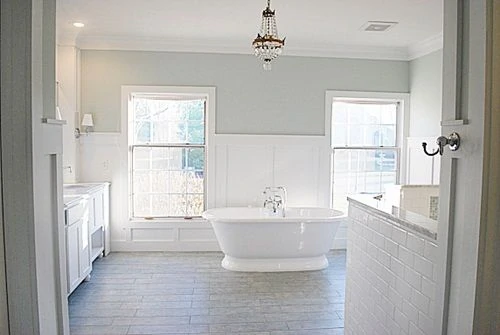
(189, 293)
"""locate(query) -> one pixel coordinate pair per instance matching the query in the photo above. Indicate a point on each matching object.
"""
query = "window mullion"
(150, 188)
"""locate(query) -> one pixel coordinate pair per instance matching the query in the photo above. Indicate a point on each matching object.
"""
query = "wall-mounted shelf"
(454, 122)
(54, 121)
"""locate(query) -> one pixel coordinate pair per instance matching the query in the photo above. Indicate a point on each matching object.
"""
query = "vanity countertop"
(400, 216)
(72, 193)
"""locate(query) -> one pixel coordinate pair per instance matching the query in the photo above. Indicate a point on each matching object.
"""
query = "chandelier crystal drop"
(268, 46)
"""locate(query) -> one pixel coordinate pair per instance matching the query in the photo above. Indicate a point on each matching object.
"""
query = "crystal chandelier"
(267, 44)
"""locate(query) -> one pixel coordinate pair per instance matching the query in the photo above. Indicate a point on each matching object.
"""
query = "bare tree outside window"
(168, 156)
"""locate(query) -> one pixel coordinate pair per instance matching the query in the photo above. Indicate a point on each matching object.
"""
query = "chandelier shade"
(267, 45)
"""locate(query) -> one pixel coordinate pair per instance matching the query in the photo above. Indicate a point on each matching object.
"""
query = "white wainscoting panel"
(298, 168)
(242, 166)
(196, 234)
(246, 164)
(422, 169)
(243, 171)
(152, 234)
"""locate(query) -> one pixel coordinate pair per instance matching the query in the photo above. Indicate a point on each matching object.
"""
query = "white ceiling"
(314, 27)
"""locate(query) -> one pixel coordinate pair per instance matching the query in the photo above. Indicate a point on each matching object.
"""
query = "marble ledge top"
(73, 193)
(406, 219)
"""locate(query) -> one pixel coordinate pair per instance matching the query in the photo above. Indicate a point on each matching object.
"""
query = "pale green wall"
(426, 95)
(287, 100)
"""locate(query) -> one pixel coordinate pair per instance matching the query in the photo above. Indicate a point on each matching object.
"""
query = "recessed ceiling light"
(378, 26)
(79, 24)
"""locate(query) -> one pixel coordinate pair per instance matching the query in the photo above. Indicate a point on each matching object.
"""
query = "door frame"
(4, 313)
(37, 300)
(465, 172)
(487, 311)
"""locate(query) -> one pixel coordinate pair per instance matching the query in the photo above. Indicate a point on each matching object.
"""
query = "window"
(167, 145)
(365, 147)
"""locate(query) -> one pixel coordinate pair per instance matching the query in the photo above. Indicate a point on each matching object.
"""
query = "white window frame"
(402, 126)
(208, 93)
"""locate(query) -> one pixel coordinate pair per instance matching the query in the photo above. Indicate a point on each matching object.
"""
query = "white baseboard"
(339, 244)
(160, 246)
(152, 246)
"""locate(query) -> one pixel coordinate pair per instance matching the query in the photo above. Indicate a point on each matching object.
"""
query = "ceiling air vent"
(378, 26)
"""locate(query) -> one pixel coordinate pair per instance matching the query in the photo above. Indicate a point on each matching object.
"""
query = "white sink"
(78, 189)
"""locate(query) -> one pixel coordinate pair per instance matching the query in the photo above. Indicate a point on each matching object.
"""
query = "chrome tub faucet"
(275, 199)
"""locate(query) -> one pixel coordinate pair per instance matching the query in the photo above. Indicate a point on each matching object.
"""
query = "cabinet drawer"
(74, 213)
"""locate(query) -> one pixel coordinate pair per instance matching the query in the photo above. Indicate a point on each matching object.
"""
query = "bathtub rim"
(213, 218)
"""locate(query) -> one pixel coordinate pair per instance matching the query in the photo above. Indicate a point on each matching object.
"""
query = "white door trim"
(461, 171)
(487, 311)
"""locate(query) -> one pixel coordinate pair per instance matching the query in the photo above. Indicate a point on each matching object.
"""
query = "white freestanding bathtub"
(252, 239)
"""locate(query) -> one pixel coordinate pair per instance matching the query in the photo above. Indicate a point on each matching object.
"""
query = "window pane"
(388, 114)
(141, 205)
(339, 135)
(142, 182)
(160, 182)
(385, 160)
(194, 159)
(195, 204)
(355, 114)
(141, 159)
(159, 204)
(160, 159)
(355, 137)
(340, 115)
(160, 191)
(169, 121)
(178, 182)
(195, 182)
(373, 137)
(195, 132)
(176, 160)
(361, 123)
(358, 171)
(388, 135)
(178, 205)
(142, 131)
(341, 161)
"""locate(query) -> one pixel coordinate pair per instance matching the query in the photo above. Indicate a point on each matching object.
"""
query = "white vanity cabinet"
(77, 245)
(87, 229)
(98, 213)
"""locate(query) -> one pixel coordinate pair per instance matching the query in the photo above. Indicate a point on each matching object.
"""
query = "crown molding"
(66, 39)
(102, 42)
(110, 42)
(352, 51)
(134, 43)
(425, 47)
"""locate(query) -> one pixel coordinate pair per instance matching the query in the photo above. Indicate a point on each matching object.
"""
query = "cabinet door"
(98, 209)
(72, 256)
(84, 249)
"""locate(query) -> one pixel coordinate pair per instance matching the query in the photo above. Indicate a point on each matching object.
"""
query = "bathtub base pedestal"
(274, 264)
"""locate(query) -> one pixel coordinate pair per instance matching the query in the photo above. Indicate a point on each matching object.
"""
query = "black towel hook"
(453, 141)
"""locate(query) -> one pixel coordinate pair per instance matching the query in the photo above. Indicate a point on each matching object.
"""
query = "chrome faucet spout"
(284, 198)
(274, 201)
